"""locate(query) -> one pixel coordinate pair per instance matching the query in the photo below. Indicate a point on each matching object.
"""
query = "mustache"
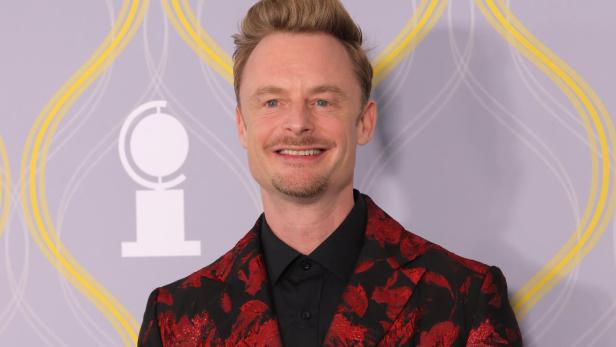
(301, 141)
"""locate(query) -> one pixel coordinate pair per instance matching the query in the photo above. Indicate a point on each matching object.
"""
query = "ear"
(367, 123)
(241, 126)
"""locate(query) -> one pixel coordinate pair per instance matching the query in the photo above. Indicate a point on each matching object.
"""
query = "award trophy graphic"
(158, 146)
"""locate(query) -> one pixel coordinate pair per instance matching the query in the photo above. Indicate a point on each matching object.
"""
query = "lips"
(300, 149)
(301, 152)
(295, 156)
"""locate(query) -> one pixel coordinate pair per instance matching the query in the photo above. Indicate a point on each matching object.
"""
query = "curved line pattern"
(197, 38)
(81, 171)
(587, 103)
(212, 141)
(530, 139)
(224, 96)
(545, 98)
(583, 98)
(419, 122)
(395, 80)
(67, 129)
(8, 309)
(18, 287)
(603, 321)
(5, 186)
(404, 43)
(417, 27)
(33, 165)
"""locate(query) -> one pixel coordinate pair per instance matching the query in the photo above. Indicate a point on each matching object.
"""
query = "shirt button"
(306, 315)
(307, 265)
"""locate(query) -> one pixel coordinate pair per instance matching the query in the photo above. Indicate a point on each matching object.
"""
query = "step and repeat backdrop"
(121, 170)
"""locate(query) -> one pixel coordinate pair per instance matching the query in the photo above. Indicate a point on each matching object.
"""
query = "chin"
(301, 190)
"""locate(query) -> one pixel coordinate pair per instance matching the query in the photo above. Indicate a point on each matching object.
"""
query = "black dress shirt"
(306, 288)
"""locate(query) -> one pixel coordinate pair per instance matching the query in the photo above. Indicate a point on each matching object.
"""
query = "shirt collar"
(338, 253)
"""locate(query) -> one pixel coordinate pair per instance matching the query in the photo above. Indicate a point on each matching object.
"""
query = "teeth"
(304, 152)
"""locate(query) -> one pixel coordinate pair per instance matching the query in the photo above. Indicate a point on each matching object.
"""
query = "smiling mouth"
(301, 152)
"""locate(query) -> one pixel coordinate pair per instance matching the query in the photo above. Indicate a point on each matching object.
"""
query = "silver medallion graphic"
(158, 145)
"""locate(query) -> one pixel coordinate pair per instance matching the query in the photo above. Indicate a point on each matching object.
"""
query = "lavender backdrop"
(476, 150)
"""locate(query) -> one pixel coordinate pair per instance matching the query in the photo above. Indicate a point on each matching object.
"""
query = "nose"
(299, 120)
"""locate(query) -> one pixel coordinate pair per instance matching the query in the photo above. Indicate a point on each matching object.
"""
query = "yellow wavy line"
(572, 85)
(575, 88)
(410, 24)
(5, 186)
(199, 40)
(186, 24)
(33, 171)
(574, 246)
(396, 51)
(203, 34)
(578, 107)
(578, 248)
(584, 100)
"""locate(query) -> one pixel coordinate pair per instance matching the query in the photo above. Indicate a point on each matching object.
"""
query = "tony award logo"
(158, 146)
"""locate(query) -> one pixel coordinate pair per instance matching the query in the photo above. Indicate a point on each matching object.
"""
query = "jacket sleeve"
(492, 321)
(149, 334)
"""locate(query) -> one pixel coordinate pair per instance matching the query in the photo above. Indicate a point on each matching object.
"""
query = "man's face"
(300, 115)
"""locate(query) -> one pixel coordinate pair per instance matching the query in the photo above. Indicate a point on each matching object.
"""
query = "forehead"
(299, 60)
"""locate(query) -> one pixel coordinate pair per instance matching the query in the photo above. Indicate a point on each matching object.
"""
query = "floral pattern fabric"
(405, 291)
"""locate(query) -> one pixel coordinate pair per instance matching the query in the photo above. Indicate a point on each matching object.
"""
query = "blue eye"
(271, 103)
(322, 103)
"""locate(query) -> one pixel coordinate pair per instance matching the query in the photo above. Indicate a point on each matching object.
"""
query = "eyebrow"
(267, 90)
(326, 88)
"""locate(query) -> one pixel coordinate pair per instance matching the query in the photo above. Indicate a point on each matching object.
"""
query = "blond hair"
(299, 16)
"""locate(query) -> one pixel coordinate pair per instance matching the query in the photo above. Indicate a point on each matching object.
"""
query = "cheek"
(345, 137)
(351, 143)
(260, 135)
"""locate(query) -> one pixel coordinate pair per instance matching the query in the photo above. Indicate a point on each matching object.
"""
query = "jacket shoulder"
(215, 272)
(408, 247)
(204, 284)
(201, 286)
(219, 270)
(171, 309)
(436, 259)
(465, 293)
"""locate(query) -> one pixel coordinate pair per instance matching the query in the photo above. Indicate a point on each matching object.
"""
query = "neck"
(304, 225)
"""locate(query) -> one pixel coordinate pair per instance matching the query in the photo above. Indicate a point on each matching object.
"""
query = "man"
(323, 265)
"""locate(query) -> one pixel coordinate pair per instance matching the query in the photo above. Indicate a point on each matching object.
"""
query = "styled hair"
(301, 16)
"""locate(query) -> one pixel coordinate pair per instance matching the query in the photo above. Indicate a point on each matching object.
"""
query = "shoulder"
(465, 293)
(412, 250)
(201, 286)
(205, 283)
(172, 309)
(390, 235)
(464, 275)
(437, 258)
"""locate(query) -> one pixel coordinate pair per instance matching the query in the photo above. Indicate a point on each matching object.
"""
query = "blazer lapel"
(381, 286)
(251, 321)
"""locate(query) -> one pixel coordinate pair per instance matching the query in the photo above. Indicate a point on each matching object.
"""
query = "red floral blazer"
(405, 291)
